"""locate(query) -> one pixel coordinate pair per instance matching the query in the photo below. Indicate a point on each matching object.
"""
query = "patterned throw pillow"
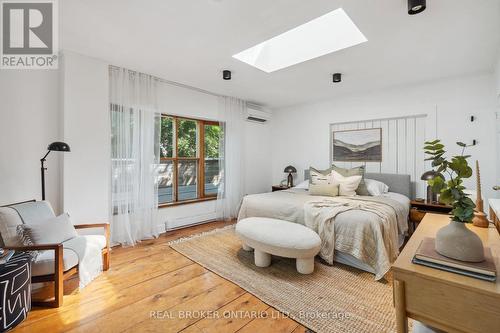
(321, 183)
(357, 171)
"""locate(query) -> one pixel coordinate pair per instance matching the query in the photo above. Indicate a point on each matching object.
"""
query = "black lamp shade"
(428, 175)
(58, 146)
(416, 6)
(290, 169)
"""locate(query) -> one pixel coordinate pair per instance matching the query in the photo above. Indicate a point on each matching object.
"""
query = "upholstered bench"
(268, 236)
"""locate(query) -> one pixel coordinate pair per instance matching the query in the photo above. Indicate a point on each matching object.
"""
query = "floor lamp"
(54, 146)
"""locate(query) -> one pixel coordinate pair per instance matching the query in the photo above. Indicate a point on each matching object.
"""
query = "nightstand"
(418, 209)
(280, 188)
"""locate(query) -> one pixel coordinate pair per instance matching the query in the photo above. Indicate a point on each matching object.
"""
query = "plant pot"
(456, 241)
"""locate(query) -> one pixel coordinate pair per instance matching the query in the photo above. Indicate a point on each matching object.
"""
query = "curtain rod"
(173, 83)
(423, 115)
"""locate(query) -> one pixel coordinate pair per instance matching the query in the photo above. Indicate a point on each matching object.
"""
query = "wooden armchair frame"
(60, 275)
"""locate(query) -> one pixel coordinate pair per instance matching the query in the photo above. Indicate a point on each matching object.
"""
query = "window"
(323, 35)
(189, 160)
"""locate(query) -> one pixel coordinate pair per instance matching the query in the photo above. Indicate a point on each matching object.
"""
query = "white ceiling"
(192, 41)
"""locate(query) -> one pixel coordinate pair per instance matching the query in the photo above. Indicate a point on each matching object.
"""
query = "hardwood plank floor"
(152, 288)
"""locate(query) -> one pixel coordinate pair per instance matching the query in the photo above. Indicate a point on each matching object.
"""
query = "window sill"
(186, 202)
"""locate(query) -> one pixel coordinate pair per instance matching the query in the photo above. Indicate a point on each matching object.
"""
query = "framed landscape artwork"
(361, 145)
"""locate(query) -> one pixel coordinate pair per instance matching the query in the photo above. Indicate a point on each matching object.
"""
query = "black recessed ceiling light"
(337, 77)
(416, 6)
(226, 74)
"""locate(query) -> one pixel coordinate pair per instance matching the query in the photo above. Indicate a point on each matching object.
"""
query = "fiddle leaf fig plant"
(449, 182)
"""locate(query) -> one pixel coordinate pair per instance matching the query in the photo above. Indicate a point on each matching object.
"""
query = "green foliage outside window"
(212, 136)
(187, 137)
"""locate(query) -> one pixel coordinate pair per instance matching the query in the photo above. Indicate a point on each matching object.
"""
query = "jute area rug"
(335, 298)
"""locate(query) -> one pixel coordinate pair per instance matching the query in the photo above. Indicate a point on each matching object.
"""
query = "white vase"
(456, 241)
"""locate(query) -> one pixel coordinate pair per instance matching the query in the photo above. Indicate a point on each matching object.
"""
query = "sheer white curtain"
(231, 153)
(135, 129)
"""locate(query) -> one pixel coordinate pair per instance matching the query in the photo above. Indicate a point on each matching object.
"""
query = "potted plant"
(454, 240)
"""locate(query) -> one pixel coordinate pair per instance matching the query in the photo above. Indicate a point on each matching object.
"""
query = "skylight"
(326, 34)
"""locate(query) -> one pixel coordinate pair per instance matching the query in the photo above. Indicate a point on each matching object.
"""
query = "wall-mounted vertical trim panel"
(402, 142)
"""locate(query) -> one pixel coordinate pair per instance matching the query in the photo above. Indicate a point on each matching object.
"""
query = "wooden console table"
(447, 301)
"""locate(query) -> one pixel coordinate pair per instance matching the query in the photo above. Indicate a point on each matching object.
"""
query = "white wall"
(29, 121)
(497, 76)
(86, 128)
(258, 157)
(303, 131)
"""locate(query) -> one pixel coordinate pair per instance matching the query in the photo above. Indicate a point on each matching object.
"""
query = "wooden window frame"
(199, 158)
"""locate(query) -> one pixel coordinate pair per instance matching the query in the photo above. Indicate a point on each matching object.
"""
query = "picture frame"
(358, 145)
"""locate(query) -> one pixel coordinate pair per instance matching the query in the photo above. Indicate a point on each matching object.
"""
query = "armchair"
(54, 264)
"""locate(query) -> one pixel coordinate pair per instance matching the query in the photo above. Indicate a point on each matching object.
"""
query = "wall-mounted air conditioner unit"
(257, 115)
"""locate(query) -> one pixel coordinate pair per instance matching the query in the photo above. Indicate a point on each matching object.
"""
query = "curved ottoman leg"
(246, 247)
(305, 265)
(262, 259)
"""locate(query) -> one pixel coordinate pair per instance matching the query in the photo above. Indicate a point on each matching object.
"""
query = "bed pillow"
(347, 185)
(303, 185)
(321, 183)
(53, 231)
(357, 171)
(375, 187)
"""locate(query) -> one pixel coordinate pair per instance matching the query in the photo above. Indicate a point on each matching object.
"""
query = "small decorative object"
(54, 146)
(428, 175)
(357, 145)
(480, 219)
(290, 169)
(454, 240)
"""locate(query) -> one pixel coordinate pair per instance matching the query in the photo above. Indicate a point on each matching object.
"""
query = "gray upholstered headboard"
(397, 183)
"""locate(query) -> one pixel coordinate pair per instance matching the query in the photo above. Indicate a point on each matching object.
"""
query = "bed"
(362, 238)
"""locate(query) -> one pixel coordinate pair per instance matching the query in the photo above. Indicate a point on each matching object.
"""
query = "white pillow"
(52, 231)
(304, 185)
(375, 187)
(347, 185)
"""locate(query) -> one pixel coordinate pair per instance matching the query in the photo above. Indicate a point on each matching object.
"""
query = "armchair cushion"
(24, 213)
(52, 231)
(44, 262)
(9, 220)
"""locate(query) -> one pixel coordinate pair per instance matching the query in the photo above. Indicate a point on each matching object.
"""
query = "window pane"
(186, 141)
(167, 137)
(187, 172)
(212, 172)
(165, 182)
(212, 176)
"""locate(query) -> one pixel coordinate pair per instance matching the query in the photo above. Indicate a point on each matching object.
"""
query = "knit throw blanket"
(380, 232)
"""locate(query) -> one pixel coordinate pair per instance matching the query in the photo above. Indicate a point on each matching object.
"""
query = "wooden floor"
(152, 288)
